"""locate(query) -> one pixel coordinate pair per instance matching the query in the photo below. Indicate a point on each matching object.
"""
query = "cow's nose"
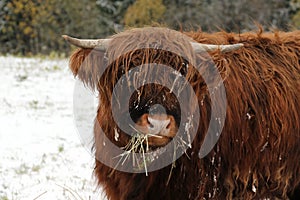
(158, 125)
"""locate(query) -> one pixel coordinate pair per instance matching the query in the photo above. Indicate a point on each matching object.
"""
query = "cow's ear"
(86, 64)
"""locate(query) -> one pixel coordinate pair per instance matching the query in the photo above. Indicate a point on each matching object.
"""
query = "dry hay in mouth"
(138, 144)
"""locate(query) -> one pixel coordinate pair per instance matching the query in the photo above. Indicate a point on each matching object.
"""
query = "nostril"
(171, 122)
(168, 126)
(149, 123)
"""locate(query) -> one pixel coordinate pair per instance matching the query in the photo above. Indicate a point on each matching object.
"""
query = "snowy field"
(42, 156)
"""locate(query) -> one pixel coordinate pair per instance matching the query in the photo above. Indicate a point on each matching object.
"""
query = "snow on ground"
(42, 156)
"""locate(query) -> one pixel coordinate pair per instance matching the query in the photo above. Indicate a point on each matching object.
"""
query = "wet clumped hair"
(258, 152)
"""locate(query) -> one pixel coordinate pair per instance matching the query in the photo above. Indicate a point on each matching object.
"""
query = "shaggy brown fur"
(258, 153)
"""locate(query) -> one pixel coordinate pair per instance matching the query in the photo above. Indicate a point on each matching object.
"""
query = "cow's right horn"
(198, 47)
(98, 44)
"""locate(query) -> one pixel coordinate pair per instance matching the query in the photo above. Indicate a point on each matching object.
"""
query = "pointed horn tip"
(66, 37)
(237, 45)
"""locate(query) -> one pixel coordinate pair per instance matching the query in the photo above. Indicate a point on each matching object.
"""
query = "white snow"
(248, 116)
(253, 188)
(117, 135)
(41, 152)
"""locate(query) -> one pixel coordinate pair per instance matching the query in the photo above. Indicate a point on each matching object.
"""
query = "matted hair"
(258, 153)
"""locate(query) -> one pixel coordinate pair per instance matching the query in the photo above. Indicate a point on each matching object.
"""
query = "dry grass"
(138, 144)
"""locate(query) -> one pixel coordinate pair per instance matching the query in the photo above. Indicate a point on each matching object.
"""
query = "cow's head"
(148, 83)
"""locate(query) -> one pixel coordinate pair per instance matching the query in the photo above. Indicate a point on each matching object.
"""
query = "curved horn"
(198, 47)
(98, 44)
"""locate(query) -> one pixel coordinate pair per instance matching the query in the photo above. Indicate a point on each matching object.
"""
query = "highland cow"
(258, 151)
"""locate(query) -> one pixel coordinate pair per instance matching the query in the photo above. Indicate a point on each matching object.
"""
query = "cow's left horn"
(98, 44)
(198, 47)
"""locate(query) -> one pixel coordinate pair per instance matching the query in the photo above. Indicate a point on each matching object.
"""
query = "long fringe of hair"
(258, 152)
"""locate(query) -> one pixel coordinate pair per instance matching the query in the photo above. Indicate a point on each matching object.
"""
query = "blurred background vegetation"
(30, 27)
